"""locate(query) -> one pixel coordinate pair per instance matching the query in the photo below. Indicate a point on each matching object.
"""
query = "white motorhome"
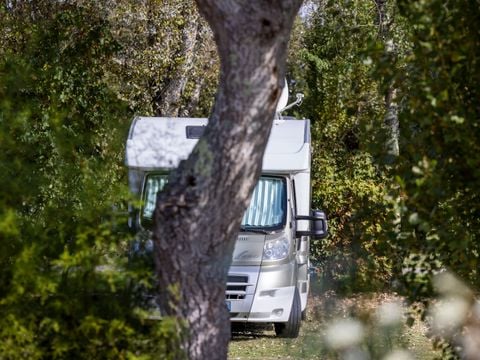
(268, 281)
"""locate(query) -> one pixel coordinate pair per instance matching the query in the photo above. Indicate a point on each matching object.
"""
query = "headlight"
(276, 249)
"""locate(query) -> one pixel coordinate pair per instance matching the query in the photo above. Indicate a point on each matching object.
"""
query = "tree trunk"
(167, 102)
(391, 123)
(203, 71)
(199, 213)
(194, 99)
(390, 120)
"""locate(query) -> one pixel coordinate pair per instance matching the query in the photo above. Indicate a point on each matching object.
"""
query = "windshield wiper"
(249, 229)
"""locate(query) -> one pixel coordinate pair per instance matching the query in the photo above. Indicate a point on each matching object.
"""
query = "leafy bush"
(67, 289)
(343, 101)
(438, 169)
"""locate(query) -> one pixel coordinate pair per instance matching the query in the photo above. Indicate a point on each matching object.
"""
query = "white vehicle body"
(270, 262)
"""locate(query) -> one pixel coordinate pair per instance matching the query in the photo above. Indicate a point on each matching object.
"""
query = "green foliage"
(351, 58)
(73, 73)
(151, 35)
(438, 171)
(66, 287)
(412, 215)
(342, 99)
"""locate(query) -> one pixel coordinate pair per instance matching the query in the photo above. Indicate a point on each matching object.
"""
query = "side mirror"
(319, 225)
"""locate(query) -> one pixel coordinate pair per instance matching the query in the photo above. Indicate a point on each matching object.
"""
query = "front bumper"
(268, 294)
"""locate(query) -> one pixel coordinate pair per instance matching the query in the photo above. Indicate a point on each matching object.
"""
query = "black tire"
(291, 328)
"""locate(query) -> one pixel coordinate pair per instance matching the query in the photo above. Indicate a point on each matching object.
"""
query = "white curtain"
(155, 183)
(267, 204)
(266, 207)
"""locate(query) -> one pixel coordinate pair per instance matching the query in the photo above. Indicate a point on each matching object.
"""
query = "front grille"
(236, 287)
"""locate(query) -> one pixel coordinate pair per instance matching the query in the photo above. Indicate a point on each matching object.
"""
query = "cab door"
(302, 244)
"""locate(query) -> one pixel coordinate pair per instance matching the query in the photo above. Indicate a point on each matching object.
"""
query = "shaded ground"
(260, 343)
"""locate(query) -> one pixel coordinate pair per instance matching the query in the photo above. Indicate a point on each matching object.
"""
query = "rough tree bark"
(203, 71)
(199, 213)
(392, 124)
(391, 121)
(167, 101)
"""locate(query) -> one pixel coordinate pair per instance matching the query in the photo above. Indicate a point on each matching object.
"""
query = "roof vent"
(194, 132)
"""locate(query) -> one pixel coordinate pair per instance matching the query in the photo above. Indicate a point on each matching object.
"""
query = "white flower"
(476, 311)
(448, 284)
(389, 314)
(344, 333)
(448, 314)
(399, 355)
(367, 61)
(471, 342)
(355, 354)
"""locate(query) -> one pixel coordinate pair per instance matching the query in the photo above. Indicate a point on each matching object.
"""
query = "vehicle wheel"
(291, 328)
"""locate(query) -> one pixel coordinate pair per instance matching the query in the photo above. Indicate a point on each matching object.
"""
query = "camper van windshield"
(267, 208)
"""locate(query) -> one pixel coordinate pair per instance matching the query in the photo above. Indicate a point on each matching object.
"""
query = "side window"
(153, 184)
(294, 214)
(294, 198)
